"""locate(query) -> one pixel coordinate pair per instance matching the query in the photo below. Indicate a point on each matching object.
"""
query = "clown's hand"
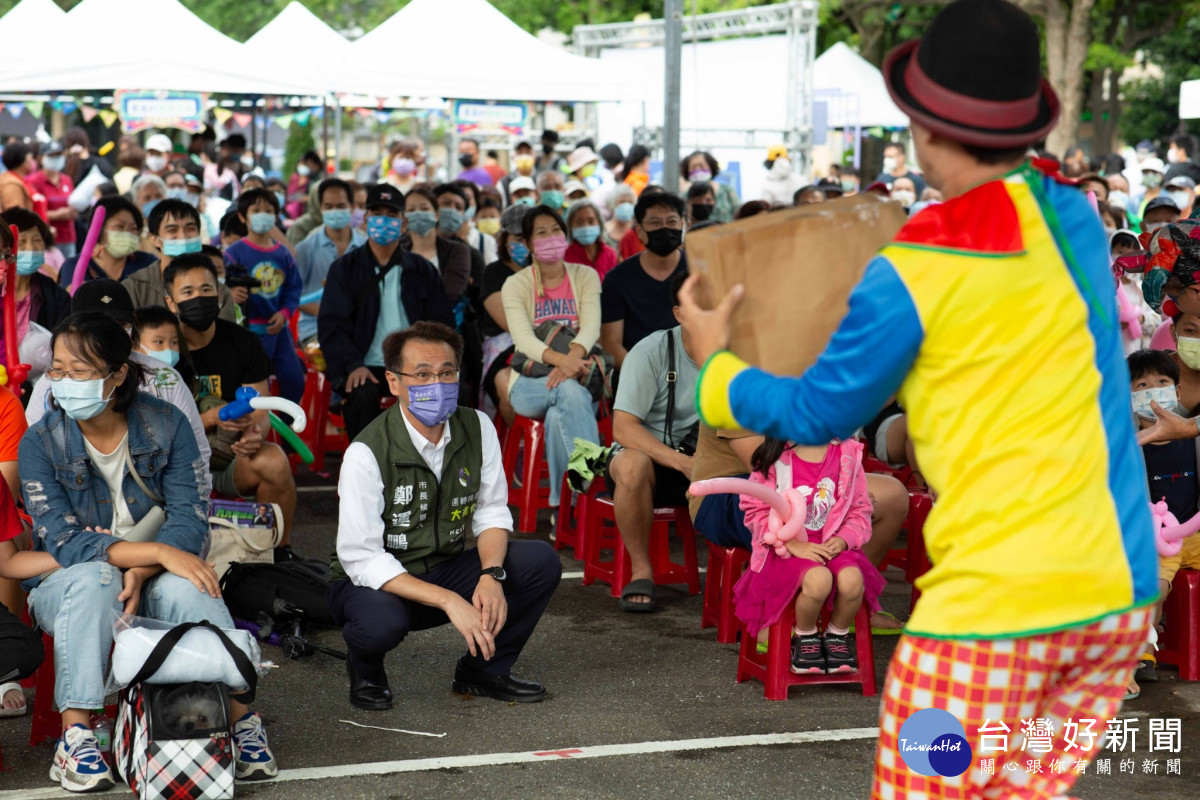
(1167, 427)
(708, 331)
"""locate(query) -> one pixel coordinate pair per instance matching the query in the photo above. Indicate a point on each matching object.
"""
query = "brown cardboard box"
(798, 267)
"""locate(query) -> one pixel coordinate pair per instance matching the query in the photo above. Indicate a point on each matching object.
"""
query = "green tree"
(300, 140)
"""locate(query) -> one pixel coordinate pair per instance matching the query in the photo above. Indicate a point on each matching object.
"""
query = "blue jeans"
(78, 606)
(288, 369)
(567, 413)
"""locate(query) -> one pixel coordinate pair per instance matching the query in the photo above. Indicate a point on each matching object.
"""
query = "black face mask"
(702, 211)
(547, 149)
(467, 160)
(664, 241)
(199, 313)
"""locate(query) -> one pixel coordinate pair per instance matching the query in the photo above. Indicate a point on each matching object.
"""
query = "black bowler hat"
(975, 77)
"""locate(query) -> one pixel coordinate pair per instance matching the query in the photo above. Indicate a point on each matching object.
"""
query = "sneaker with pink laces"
(807, 656)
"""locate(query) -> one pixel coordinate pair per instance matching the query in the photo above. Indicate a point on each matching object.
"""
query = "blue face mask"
(282, 198)
(527, 201)
(168, 357)
(471, 212)
(588, 234)
(148, 207)
(383, 231)
(450, 220)
(518, 252)
(178, 193)
(180, 247)
(262, 222)
(623, 212)
(30, 261)
(336, 218)
(433, 403)
(552, 198)
(80, 399)
(421, 222)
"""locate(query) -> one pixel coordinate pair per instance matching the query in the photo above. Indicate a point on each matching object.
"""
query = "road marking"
(499, 759)
(569, 576)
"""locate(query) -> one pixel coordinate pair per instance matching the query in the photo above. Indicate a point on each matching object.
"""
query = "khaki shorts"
(223, 483)
(1188, 557)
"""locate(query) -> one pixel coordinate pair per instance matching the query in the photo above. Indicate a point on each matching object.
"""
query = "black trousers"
(20, 648)
(361, 406)
(374, 622)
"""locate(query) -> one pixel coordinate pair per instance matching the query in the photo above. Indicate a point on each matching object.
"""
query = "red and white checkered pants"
(1079, 673)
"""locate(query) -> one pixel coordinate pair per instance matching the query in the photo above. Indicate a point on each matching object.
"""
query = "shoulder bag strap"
(162, 650)
(672, 377)
(133, 473)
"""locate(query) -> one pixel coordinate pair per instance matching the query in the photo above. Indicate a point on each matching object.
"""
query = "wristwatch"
(496, 572)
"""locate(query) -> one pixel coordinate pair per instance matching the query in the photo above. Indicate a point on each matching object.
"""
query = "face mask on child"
(1165, 396)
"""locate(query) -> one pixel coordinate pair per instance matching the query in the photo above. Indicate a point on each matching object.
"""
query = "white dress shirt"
(360, 510)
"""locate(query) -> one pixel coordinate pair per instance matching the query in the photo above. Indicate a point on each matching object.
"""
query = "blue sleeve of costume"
(863, 365)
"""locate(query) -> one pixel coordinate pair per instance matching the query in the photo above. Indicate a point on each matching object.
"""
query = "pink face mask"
(551, 249)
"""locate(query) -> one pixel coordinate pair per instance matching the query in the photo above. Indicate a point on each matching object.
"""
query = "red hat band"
(967, 110)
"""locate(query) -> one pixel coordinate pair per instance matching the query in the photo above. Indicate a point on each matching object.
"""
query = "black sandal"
(642, 587)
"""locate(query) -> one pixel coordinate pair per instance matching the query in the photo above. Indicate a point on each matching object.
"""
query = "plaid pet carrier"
(173, 741)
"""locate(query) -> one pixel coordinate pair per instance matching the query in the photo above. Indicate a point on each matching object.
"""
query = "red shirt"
(56, 198)
(606, 259)
(631, 245)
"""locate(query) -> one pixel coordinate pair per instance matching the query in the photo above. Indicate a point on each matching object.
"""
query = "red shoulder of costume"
(983, 220)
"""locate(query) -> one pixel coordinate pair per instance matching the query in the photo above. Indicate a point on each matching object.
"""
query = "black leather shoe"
(497, 687)
(367, 695)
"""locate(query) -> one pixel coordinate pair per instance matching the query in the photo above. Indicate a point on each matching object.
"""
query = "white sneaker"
(255, 761)
(78, 764)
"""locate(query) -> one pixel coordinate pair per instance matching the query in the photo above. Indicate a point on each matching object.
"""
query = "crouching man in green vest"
(416, 484)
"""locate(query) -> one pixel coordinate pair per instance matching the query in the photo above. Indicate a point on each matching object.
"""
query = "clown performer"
(993, 317)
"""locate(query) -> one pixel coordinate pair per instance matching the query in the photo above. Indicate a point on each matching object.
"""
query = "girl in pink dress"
(828, 569)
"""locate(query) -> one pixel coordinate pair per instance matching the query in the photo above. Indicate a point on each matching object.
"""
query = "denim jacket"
(65, 493)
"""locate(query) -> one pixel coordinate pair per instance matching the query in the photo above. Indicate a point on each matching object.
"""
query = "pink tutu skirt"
(761, 597)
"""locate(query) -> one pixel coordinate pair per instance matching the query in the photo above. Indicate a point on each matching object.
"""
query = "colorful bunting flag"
(108, 117)
(89, 114)
(35, 107)
(16, 110)
(222, 115)
(285, 120)
(303, 117)
(242, 120)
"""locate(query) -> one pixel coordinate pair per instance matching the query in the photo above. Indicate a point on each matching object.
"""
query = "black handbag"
(558, 337)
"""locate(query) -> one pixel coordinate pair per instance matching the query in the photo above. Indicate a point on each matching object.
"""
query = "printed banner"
(141, 110)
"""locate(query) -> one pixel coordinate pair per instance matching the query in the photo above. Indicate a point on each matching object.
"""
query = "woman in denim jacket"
(69, 462)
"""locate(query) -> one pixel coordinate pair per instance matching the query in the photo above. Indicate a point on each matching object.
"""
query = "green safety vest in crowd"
(426, 517)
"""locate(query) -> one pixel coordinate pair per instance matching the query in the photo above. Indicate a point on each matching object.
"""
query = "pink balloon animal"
(1168, 532)
(785, 520)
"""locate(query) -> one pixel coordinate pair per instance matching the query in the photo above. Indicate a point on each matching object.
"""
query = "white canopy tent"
(296, 25)
(854, 90)
(30, 17)
(493, 59)
(205, 60)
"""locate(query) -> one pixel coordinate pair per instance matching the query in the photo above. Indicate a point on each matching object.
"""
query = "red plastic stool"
(773, 668)
(1180, 645)
(602, 534)
(725, 566)
(531, 497)
(570, 529)
(47, 722)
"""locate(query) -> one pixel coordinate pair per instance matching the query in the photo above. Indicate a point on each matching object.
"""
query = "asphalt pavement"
(638, 706)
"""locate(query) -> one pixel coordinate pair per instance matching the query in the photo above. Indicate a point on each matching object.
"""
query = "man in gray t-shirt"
(648, 470)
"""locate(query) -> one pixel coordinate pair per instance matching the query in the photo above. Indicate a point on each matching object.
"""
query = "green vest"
(426, 517)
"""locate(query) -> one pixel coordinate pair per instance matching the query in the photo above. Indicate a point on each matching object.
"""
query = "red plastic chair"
(47, 722)
(531, 497)
(602, 534)
(773, 668)
(1180, 644)
(725, 566)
